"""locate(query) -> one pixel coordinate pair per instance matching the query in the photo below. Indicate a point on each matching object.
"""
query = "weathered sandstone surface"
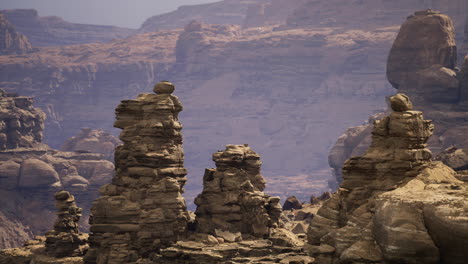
(31, 172)
(394, 205)
(94, 141)
(142, 210)
(280, 82)
(54, 31)
(12, 42)
(232, 199)
(425, 69)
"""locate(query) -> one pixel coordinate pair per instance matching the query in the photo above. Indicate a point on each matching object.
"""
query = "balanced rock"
(232, 198)
(66, 240)
(400, 103)
(394, 205)
(143, 209)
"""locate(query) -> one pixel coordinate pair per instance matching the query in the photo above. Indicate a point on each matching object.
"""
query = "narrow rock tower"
(394, 205)
(233, 199)
(142, 210)
(66, 240)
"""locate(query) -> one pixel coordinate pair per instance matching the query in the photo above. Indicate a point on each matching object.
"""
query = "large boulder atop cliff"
(11, 41)
(394, 205)
(423, 58)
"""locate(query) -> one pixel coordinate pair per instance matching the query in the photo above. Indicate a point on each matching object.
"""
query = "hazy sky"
(124, 13)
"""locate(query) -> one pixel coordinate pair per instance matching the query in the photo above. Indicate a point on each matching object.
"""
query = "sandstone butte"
(276, 71)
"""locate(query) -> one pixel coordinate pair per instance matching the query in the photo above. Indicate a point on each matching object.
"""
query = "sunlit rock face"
(421, 63)
(143, 209)
(393, 204)
(232, 199)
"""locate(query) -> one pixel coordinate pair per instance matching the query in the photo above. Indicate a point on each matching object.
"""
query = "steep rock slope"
(54, 31)
(10, 40)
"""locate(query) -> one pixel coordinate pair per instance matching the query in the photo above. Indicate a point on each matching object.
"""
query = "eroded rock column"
(142, 210)
(66, 240)
(233, 199)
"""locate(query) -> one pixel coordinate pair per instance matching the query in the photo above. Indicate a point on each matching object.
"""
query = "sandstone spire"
(66, 240)
(233, 199)
(142, 210)
(393, 204)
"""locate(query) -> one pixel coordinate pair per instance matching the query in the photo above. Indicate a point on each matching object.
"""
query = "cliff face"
(222, 12)
(10, 40)
(54, 31)
(31, 172)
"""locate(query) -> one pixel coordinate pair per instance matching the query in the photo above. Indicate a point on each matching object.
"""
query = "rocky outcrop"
(425, 69)
(232, 198)
(54, 31)
(142, 210)
(21, 124)
(455, 158)
(66, 240)
(94, 141)
(12, 42)
(392, 206)
(31, 172)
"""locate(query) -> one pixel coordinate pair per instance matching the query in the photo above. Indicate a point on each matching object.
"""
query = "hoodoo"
(142, 210)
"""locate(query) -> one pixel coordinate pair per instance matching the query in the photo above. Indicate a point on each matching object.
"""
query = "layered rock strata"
(21, 124)
(232, 198)
(394, 205)
(142, 210)
(54, 31)
(31, 172)
(11, 41)
(66, 240)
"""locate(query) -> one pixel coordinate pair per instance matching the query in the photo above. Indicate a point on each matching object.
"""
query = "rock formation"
(31, 172)
(21, 124)
(66, 240)
(232, 199)
(142, 210)
(425, 69)
(12, 42)
(231, 80)
(394, 205)
(94, 141)
(54, 31)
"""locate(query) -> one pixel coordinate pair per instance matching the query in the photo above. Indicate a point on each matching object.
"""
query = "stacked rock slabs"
(142, 210)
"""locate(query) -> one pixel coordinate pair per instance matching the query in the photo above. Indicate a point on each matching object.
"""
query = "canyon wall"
(54, 31)
(289, 90)
(11, 41)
